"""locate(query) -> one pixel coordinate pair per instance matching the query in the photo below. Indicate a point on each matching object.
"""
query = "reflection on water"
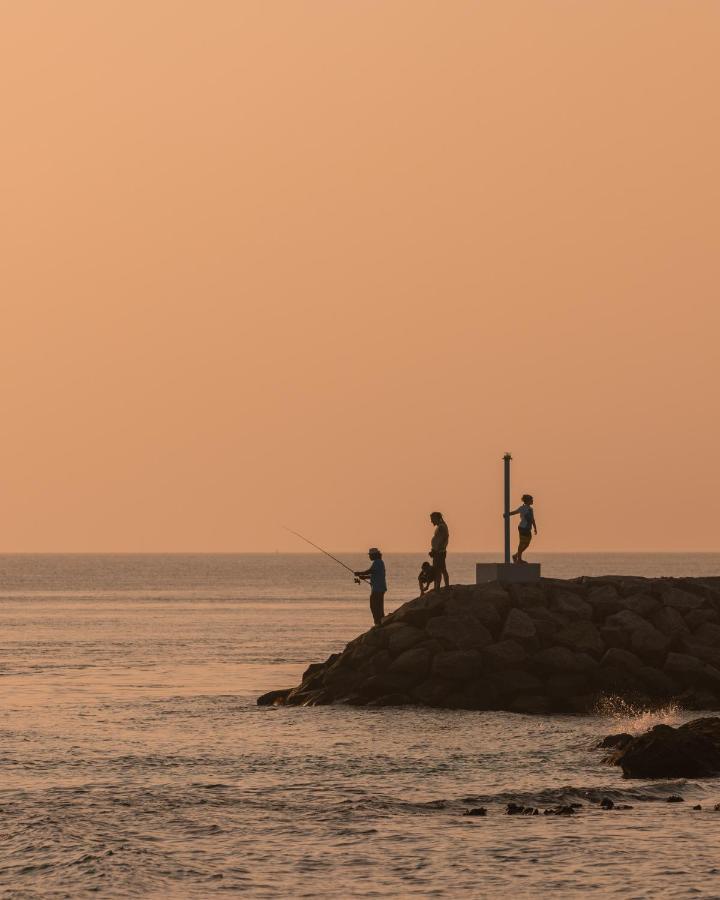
(134, 762)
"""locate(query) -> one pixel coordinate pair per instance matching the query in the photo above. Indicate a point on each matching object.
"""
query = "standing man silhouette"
(378, 585)
(438, 549)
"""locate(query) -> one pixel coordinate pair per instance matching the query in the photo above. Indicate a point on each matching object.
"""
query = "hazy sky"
(322, 262)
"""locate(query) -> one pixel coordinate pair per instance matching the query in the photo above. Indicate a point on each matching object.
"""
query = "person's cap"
(373, 550)
(433, 514)
(527, 497)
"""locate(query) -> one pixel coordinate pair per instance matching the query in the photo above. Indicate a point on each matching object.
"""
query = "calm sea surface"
(135, 763)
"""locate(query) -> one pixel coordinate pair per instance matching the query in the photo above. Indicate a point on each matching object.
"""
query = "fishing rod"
(318, 547)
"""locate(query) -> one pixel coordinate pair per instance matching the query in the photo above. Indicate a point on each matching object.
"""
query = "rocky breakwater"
(559, 646)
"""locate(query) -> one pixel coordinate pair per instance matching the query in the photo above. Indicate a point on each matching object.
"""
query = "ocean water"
(135, 763)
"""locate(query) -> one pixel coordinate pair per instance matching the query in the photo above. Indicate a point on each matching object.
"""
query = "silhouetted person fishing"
(376, 575)
(378, 585)
(526, 527)
(438, 549)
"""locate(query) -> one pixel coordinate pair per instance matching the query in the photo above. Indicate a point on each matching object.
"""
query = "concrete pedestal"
(507, 573)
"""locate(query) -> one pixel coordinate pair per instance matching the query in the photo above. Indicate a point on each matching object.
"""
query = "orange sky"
(321, 262)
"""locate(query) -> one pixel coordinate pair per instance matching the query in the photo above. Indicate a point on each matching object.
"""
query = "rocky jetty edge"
(555, 646)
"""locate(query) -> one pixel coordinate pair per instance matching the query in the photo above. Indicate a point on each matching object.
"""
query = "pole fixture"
(506, 461)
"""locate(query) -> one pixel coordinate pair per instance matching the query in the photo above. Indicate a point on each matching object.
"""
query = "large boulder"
(691, 751)
(457, 665)
(518, 627)
(463, 632)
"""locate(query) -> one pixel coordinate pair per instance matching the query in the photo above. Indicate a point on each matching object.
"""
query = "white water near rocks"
(135, 763)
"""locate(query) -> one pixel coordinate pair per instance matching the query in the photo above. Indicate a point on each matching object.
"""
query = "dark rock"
(558, 659)
(681, 600)
(614, 636)
(642, 604)
(547, 623)
(656, 683)
(586, 663)
(697, 617)
(568, 810)
(476, 811)
(530, 704)
(515, 681)
(516, 809)
(675, 798)
(616, 741)
(572, 606)
(620, 682)
(273, 698)
(697, 806)
(480, 607)
(479, 694)
(697, 699)
(387, 683)
(314, 668)
(621, 659)
(648, 642)
(402, 637)
(503, 655)
(583, 636)
(607, 803)
(434, 691)
(414, 662)
(704, 652)
(462, 632)
(342, 680)
(669, 621)
(518, 627)
(526, 596)
(565, 685)
(377, 664)
(683, 666)
(604, 601)
(690, 751)
(707, 633)
(626, 620)
(457, 665)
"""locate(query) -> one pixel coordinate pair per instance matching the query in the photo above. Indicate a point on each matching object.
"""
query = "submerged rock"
(557, 646)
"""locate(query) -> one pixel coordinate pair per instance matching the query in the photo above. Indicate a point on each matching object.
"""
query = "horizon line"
(315, 553)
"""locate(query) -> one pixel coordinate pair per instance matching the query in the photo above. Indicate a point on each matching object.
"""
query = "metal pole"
(506, 460)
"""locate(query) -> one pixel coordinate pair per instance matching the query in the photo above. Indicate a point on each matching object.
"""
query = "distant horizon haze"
(323, 263)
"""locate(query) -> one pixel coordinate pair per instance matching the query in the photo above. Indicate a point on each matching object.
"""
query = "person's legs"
(523, 544)
(440, 570)
(377, 606)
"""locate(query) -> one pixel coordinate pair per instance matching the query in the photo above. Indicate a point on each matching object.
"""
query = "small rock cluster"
(556, 646)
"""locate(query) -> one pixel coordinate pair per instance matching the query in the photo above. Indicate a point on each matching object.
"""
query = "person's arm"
(365, 574)
(534, 524)
(513, 512)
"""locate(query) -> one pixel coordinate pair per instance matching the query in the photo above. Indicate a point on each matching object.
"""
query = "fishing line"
(318, 547)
